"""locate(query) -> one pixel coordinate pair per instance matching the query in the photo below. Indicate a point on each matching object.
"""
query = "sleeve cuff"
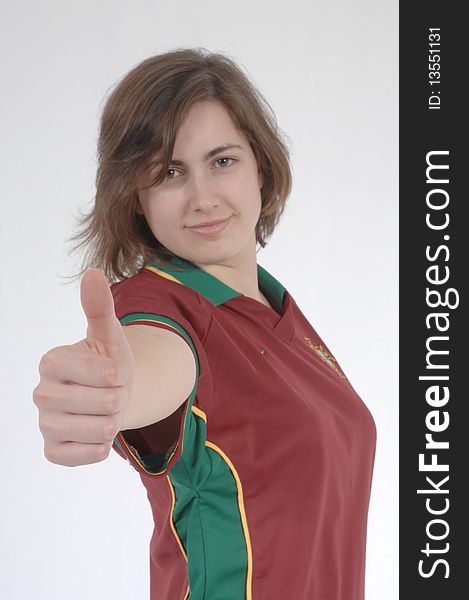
(158, 464)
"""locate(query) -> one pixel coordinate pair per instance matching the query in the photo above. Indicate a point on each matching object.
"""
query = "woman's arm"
(164, 375)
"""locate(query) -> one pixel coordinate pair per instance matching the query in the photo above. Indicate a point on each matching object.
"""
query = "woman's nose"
(201, 193)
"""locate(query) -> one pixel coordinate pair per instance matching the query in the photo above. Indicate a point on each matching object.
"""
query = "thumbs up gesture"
(84, 387)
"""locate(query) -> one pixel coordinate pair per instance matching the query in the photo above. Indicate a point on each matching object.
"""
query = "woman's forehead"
(225, 135)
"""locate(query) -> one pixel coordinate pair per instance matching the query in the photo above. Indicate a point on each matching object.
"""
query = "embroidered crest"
(326, 356)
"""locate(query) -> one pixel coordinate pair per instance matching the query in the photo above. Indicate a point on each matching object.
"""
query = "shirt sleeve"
(147, 299)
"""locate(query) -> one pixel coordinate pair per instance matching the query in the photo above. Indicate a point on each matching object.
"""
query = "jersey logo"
(326, 357)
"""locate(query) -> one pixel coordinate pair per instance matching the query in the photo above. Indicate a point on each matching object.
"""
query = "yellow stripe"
(171, 522)
(175, 533)
(163, 274)
(200, 413)
(152, 321)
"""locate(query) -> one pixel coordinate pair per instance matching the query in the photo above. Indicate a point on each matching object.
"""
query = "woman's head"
(139, 125)
(213, 176)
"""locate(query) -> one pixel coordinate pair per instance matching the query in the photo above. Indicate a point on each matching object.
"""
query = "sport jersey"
(259, 484)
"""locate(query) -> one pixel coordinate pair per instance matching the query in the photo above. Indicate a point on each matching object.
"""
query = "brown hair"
(140, 119)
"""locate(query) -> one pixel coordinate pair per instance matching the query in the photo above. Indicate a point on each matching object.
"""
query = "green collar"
(212, 288)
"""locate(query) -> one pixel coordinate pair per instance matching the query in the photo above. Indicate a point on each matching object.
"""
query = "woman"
(255, 451)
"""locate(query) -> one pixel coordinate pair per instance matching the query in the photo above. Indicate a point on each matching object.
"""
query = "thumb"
(104, 334)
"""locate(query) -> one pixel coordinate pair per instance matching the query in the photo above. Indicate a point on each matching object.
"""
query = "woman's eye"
(224, 158)
(168, 171)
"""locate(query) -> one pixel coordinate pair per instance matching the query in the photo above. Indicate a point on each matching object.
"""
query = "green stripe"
(215, 290)
(199, 280)
(118, 444)
(272, 288)
(208, 522)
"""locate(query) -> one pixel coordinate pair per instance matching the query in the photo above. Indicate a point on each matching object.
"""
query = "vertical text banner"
(434, 335)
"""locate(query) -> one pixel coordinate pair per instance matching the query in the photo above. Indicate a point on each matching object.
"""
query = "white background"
(329, 71)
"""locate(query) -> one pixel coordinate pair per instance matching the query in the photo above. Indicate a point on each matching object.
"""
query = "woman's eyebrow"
(210, 153)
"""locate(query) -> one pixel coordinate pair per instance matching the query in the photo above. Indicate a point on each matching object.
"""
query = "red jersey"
(259, 483)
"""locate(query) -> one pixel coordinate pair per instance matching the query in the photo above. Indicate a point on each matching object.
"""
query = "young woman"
(198, 366)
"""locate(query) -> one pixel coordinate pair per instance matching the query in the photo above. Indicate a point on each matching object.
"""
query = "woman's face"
(205, 183)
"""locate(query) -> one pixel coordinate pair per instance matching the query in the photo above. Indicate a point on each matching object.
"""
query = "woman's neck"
(238, 273)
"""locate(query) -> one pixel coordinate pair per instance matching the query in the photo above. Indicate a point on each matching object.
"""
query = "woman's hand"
(84, 388)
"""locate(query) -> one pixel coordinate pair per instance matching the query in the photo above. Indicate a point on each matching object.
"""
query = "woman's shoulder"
(149, 292)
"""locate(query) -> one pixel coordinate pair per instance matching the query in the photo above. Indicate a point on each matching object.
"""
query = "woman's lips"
(210, 229)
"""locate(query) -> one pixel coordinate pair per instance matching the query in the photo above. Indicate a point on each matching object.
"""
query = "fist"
(84, 387)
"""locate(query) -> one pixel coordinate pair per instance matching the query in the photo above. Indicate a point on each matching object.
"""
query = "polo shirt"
(259, 484)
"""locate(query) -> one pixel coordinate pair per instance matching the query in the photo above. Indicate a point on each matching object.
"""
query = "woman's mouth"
(210, 229)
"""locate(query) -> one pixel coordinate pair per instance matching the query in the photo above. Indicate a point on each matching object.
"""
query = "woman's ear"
(260, 179)
(138, 206)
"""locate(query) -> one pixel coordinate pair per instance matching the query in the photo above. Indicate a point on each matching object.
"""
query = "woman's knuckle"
(46, 363)
(51, 454)
(110, 402)
(110, 374)
(76, 394)
(103, 451)
(39, 395)
(109, 430)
